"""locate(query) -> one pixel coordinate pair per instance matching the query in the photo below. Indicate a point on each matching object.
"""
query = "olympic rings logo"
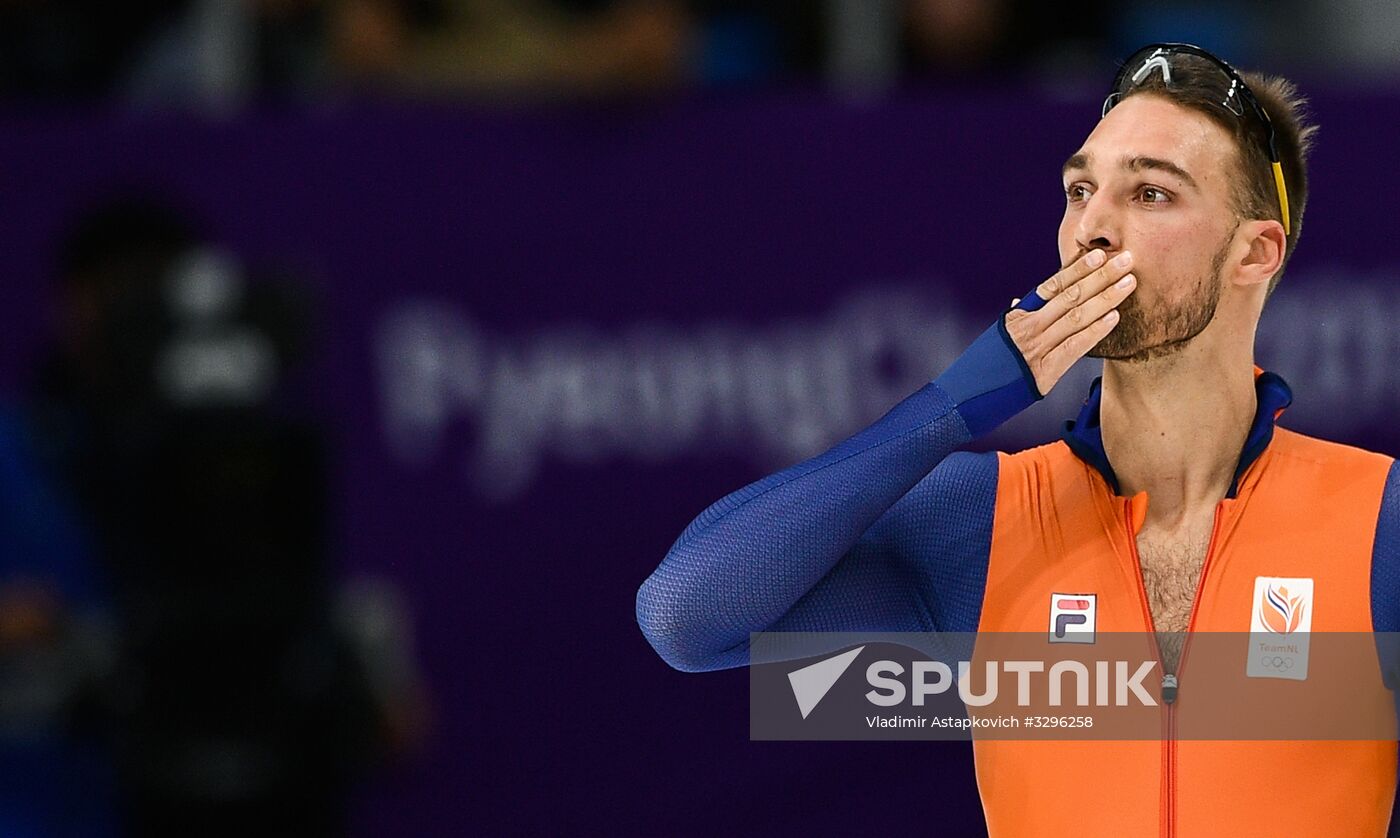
(1276, 662)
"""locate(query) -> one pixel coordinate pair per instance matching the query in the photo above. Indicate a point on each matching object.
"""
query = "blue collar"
(1085, 437)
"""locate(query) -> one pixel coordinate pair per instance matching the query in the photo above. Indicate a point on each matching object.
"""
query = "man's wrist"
(990, 382)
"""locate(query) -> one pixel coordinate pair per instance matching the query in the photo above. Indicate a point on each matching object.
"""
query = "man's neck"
(1174, 426)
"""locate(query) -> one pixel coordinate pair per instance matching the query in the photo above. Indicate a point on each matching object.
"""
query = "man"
(1182, 209)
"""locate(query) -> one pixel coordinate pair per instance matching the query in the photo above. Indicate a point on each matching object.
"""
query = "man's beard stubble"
(1142, 335)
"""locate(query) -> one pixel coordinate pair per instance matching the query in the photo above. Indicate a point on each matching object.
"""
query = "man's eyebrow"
(1080, 160)
(1137, 164)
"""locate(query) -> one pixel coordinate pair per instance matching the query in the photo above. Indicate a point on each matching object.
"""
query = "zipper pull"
(1168, 688)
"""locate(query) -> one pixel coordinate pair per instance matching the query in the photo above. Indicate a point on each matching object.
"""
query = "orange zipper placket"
(1163, 791)
(1181, 667)
(1168, 785)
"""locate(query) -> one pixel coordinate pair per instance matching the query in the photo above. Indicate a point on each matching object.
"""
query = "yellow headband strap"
(1282, 198)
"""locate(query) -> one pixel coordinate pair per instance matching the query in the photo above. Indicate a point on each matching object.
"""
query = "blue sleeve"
(884, 532)
(1385, 579)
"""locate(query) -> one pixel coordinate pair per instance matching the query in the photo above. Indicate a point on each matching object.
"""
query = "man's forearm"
(747, 560)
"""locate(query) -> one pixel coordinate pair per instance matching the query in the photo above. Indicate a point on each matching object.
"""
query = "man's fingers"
(1085, 313)
(1058, 360)
(1067, 276)
(1078, 297)
(1087, 286)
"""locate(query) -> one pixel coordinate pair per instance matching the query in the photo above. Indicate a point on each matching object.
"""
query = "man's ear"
(1266, 245)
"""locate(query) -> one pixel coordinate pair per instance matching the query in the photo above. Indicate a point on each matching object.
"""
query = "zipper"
(1164, 791)
(1170, 680)
(1180, 667)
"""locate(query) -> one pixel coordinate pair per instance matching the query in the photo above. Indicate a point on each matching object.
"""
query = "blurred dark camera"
(235, 702)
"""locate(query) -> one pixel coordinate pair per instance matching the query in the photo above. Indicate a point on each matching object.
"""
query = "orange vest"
(1304, 508)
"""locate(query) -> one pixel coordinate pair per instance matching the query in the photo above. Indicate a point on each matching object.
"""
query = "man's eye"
(1153, 195)
(1076, 192)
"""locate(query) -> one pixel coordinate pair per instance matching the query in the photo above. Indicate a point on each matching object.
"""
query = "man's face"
(1154, 178)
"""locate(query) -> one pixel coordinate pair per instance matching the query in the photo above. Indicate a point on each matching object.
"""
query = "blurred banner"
(548, 339)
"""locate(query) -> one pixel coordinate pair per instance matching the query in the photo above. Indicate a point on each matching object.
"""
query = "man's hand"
(1080, 309)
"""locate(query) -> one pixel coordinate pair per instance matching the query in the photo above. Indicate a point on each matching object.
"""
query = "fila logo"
(1072, 617)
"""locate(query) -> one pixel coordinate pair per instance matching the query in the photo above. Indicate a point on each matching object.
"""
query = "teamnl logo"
(1067, 683)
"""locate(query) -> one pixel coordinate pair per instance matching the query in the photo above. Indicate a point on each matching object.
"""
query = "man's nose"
(1098, 225)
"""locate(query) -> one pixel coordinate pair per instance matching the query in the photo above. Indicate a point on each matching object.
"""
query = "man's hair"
(1199, 85)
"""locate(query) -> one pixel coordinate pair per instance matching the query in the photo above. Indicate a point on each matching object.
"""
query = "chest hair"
(1171, 568)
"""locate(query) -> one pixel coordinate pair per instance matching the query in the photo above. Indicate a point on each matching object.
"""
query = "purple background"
(553, 714)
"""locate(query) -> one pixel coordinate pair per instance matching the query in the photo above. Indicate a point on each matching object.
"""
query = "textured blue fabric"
(884, 532)
(1084, 435)
(990, 382)
(1385, 579)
